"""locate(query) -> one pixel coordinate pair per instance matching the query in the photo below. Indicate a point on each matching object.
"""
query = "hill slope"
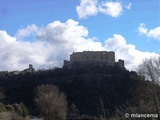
(87, 87)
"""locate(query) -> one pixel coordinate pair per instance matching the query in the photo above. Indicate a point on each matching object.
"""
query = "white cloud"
(128, 6)
(66, 38)
(56, 41)
(53, 45)
(152, 33)
(93, 7)
(87, 8)
(127, 52)
(18, 54)
(142, 29)
(26, 32)
(113, 9)
(4, 38)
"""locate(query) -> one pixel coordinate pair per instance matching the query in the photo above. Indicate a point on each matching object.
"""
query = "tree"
(2, 96)
(24, 109)
(10, 108)
(74, 112)
(18, 109)
(2, 107)
(102, 109)
(51, 102)
(150, 70)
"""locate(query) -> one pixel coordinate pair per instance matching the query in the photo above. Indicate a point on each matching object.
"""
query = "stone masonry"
(95, 57)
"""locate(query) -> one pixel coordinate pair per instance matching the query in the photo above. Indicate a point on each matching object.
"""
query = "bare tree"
(150, 70)
(103, 117)
(74, 113)
(51, 102)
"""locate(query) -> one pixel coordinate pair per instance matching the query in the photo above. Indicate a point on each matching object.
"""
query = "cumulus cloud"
(87, 8)
(18, 54)
(152, 33)
(56, 41)
(66, 38)
(113, 9)
(26, 32)
(5, 38)
(70, 35)
(142, 29)
(93, 7)
(127, 52)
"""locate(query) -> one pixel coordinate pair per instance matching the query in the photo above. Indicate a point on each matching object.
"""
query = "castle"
(16, 72)
(94, 57)
(29, 70)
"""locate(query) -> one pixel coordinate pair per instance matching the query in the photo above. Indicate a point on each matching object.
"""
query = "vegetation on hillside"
(91, 91)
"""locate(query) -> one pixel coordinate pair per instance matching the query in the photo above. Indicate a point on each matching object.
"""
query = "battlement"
(95, 57)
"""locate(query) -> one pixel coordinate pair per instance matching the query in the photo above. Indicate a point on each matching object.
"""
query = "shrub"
(10, 108)
(24, 109)
(18, 109)
(2, 107)
(51, 102)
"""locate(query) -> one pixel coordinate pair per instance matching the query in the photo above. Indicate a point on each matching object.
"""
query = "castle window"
(94, 57)
(101, 57)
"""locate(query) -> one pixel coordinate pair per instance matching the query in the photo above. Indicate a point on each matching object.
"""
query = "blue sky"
(44, 32)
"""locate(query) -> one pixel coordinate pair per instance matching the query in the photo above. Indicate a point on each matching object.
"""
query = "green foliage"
(2, 107)
(9, 107)
(18, 109)
(21, 109)
(24, 109)
(15, 111)
(83, 86)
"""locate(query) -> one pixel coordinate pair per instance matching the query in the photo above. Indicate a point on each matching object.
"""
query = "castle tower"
(121, 63)
(30, 66)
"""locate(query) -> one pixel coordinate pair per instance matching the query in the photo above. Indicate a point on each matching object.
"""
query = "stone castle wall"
(87, 56)
(97, 57)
